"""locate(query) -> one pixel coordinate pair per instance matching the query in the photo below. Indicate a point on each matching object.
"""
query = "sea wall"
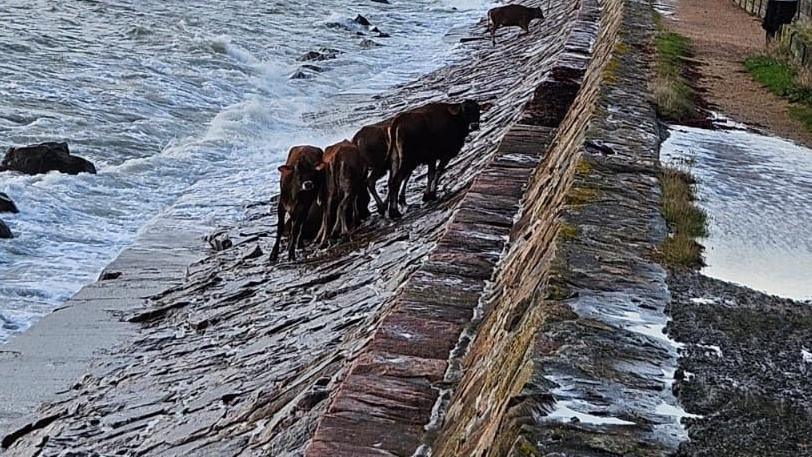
(453, 348)
(498, 364)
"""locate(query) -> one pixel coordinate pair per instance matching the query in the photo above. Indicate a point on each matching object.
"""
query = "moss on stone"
(583, 167)
(567, 231)
(581, 195)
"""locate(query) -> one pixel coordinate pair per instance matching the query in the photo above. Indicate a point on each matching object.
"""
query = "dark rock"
(299, 74)
(320, 55)
(255, 253)
(362, 20)
(45, 157)
(315, 68)
(379, 33)
(6, 205)
(368, 44)
(5, 232)
(108, 275)
(597, 147)
(385, 2)
(219, 241)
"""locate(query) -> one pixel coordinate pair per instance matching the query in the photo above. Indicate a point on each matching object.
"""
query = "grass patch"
(673, 95)
(686, 220)
(782, 78)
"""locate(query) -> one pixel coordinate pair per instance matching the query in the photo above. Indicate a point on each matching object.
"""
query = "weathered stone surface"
(45, 157)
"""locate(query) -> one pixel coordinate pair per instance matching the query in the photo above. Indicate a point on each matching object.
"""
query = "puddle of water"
(564, 412)
(757, 191)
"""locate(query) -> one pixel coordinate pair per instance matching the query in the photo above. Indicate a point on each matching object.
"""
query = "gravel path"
(723, 36)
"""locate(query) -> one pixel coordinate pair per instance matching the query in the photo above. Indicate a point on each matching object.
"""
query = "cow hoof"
(394, 214)
(430, 197)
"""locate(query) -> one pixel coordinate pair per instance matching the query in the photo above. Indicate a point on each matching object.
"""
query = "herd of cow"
(325, 194)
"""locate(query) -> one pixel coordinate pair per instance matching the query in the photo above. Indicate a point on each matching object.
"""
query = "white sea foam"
(185, 107)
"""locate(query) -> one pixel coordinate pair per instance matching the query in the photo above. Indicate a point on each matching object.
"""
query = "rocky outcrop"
(45, 157)
(5, 232)
(6, 204)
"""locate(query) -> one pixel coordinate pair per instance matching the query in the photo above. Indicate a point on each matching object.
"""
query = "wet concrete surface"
(757, 191)
(240, 358)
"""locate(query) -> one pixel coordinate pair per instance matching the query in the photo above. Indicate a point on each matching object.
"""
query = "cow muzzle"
(308, 185)
(473, 126)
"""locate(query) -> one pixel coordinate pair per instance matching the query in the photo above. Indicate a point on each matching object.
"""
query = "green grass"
(685, 220)
(779, 77)
(673, 95)
(782, 79)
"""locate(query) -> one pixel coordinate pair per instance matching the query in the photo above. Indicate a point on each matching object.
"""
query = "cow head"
(302, 178)
(537, 13)
(469, 109)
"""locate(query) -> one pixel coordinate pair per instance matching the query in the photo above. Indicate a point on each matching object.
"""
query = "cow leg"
(361, 205)
(429, 194)
(493, 34)
(440, 170)
(395, 180)
(403, 187)
(371, 181)
(295, 236)
(344, 209)
(326, 221)
(280, 227)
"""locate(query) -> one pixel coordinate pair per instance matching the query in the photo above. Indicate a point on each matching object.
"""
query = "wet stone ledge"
(599, 370)
(244, 358)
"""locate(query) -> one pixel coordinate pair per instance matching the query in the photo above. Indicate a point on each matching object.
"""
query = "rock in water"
(45, 157)
(6, 205)
(5, 232)
(362, 21)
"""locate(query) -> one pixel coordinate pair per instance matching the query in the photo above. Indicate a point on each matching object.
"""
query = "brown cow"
(432, 135)
(512, 16)
(345, 184)
(300, 185)
(372, 143)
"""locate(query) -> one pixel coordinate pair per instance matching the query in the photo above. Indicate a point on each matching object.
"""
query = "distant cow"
(432, 135)
(512, 16)
(301, 182)
(345, 184)
(373, 144)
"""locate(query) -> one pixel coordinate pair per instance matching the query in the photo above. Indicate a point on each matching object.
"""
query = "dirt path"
(723, 36)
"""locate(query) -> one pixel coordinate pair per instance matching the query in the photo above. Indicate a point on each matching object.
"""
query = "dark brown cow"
(300, 185)
(345, 184)
(373, 144)
(512, 16)
(432, 135)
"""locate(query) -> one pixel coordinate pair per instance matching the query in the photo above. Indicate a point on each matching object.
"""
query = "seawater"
(179, 104)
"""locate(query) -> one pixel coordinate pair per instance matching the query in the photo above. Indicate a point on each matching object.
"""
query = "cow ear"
(285, 168)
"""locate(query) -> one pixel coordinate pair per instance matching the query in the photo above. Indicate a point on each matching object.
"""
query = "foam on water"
(185, 107)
